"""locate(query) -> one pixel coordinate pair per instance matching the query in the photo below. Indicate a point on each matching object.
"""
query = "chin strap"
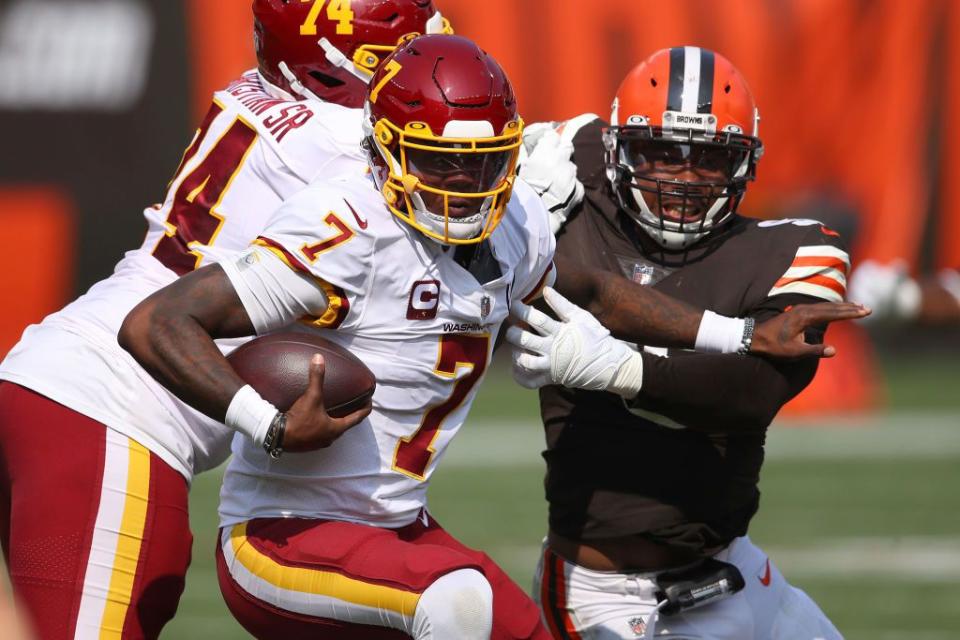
(337, 59)
(295, 85)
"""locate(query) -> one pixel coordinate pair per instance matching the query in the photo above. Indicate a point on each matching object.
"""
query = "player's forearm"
(631, 312)
(721, 393)
(171, 335)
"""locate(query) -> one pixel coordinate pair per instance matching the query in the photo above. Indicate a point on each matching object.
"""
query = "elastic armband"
(720, 334)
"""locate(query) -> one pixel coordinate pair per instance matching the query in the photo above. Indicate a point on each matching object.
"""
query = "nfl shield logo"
(637, 626)
(642, 274)
(484, 307)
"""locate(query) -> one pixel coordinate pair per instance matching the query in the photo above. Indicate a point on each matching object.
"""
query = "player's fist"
(309, 426)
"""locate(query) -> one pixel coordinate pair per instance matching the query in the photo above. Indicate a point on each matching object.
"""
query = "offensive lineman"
(88, 434)
(338, 543)
(647, 489)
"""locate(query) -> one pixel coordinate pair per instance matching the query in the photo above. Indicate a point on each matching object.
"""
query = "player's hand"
(888, 289)
(575, 352)
(550, 171)
(782, 336)
(309, 426)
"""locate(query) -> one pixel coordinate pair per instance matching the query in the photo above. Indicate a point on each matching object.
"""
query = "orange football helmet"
(682, 144)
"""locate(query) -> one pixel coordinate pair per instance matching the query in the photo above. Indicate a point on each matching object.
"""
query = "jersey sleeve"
(536, 270)
(273, 294)
(819, 269)
(742, 393)
(316, 234)
(733, 393)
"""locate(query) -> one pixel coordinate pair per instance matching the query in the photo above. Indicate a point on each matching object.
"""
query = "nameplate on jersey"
(278, 116)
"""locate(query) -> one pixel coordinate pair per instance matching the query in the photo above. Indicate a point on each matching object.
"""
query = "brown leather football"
(278, 367)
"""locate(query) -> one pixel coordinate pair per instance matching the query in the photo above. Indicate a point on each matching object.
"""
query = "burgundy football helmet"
(443, 136)
(329, 49)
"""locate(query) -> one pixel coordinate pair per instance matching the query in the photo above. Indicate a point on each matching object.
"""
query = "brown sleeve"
(725, 393)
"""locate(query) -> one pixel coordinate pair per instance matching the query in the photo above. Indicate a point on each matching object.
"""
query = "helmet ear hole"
(326, 80)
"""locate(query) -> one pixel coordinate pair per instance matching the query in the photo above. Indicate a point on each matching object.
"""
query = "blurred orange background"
(855, 97)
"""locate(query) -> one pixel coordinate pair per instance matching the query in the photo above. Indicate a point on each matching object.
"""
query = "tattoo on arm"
(630, 311)
(171, 335)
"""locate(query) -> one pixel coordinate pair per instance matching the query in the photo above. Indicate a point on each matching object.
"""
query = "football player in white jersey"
(89, 435)
(414, 268)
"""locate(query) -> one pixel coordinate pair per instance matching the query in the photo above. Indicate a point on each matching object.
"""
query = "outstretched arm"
(643, 315)
(721, 393)
(630, 311)
(579, 352)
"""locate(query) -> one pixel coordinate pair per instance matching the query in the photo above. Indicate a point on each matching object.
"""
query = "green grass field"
(862, 513)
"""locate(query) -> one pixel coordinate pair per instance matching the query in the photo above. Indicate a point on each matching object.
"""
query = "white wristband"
(719, 334)
(250, 414)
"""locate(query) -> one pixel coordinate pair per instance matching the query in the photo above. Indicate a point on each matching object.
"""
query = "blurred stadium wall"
(859, 104)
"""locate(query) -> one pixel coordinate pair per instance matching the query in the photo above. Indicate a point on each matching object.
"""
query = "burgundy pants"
(94, 527)
(315, 579)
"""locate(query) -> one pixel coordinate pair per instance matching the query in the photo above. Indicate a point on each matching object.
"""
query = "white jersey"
(401, 303)
(251, 153)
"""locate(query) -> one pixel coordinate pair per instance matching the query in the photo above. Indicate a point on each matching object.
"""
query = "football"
(278, 367)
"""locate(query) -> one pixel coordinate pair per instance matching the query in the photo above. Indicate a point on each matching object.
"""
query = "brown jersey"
(680, 463)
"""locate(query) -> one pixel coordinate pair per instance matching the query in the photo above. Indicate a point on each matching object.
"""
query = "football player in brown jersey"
(652, 482)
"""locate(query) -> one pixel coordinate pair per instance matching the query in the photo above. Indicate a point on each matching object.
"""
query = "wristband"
(250, 414)
(720, 334)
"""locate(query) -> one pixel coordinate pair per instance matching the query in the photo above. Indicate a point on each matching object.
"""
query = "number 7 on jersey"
(457, 350)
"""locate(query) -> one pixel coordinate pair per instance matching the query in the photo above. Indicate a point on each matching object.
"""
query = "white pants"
(596, 605)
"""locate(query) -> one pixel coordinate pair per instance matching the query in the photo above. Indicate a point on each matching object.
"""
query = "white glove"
(532, 134)
(577, 352)
(548, 168)
(888, 289)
